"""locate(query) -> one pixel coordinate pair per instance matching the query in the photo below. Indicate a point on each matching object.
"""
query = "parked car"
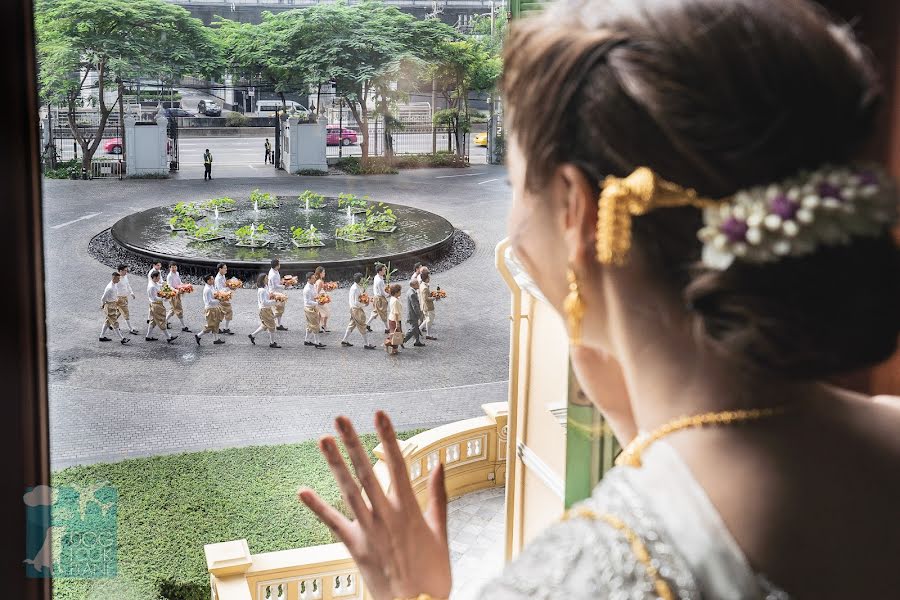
(113, 146)
(338, 136)
(210, 109)
(178, 112)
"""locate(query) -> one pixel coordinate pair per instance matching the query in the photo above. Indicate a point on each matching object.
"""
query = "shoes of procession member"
(369, 347)
(419, 344)
(274, 345)
(368, 328)
(186, 329)
(219, 342)
(227, 331)
(168, 326)
(171, 339)
(197, 337)
(386, 330)
(150, 339)
(252, 339)
(428, 337)
(326, 330)
(124, 341)
(281, 328)
(105, 339)
(346, 344)
(308, 343)
(133, 332)
(319, 346)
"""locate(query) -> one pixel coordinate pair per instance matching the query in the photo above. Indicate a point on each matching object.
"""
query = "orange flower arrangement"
(278, 297)
(364, 299)
(289, 281)
(166, 292)
(223, 295)
(330, 286)
(438, 294)
(323, 299)
(185, 288)
(234, 283)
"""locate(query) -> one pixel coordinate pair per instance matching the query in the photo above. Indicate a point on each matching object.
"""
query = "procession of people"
(272, 298)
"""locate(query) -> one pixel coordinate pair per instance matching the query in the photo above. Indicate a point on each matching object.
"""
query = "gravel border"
(106, 251)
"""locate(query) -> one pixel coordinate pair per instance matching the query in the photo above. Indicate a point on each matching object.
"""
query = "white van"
(268, 108)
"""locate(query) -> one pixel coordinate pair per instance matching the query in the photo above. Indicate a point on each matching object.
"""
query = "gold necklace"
(631, 455)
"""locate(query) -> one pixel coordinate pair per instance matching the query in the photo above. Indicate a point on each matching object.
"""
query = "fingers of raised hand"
(345, 481)
(400, 482)
(436, 513)
(335, 521)
(362, 466)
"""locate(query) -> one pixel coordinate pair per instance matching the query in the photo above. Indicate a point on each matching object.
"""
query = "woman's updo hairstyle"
(716, 95)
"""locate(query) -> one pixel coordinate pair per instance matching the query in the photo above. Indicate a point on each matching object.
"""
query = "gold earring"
(573, 306)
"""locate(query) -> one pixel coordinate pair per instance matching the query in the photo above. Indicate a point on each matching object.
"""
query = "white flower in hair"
(825, 207)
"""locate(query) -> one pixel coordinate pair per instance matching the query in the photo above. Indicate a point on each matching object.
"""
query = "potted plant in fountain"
(188, 209)
(306, 238)
(381, 220)
(355, 233)
(310, 199)
(251, 236)
(182, 223)
(353, 203)
(203, 234)
(219, 205)
(263, 200)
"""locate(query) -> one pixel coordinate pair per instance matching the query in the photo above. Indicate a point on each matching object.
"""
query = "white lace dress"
(666, 508)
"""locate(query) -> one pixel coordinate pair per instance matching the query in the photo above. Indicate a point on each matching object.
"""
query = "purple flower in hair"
(783, 207)
(827, 190)
(868, 178)
(734, 229)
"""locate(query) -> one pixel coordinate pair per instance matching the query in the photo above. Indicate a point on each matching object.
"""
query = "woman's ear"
(580, 211)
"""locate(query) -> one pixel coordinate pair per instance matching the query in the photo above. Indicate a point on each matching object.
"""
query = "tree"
(112, 41)
(464, 66)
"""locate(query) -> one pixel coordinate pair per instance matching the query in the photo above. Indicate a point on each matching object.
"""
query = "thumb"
(436, 513)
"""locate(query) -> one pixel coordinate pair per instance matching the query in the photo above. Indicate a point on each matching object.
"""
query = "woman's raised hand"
(400, 551)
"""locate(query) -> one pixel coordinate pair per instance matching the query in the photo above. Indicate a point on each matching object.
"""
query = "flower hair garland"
(825, 207)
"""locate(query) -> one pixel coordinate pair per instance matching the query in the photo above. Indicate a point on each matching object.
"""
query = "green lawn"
(170, 506)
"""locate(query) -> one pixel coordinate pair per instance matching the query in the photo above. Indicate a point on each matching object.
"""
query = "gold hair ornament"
(632, 196)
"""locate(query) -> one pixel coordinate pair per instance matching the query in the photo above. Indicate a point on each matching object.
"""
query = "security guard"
(207, 165)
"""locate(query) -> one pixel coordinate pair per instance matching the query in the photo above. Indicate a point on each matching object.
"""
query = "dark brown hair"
(716, 95)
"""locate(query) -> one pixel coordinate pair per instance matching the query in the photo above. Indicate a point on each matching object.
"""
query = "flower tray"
(262, 244)
(390, 229)
(358, 211)
(314, 245)
(212, 239)
(173, 228)
(356, 239)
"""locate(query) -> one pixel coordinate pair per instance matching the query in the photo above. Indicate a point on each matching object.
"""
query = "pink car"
(113, 146)
(340, 136)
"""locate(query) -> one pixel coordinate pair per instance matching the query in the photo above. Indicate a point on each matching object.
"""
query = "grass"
(170, 506)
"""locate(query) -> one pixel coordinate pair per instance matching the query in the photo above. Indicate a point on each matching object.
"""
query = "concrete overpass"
(452, 12)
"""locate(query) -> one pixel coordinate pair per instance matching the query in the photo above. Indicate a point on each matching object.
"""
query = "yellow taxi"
(480, 139)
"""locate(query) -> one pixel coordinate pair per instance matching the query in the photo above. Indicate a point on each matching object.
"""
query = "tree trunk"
(361, 122)
(463, 121)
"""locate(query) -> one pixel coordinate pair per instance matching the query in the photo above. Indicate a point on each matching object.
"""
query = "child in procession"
(224, 305)
(357, 314)
(379, 297)
(157, 310)
(212, 312)
(427, 303)
(266, 307)
(275, 285)
(173, 279)
(123, 290)
(109, 304)
(311, 310)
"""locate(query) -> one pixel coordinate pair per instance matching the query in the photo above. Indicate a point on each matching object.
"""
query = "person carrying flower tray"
(266, 301)
(109, 304)
(176, 309)
(380, 297)
(157, 310)
(322, 288)
(311, 310)
(212, 312)
(357, 315)
(275, 284)
(427, 302)
(224, 305)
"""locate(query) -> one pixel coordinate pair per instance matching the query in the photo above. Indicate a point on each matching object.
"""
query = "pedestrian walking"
(123, 290)
(176, 309)
(212, 312)
(157, 310)
(109, 304)
(269, 157)
(207, 165)
(357, 314)
(414, 313)
(266, 311)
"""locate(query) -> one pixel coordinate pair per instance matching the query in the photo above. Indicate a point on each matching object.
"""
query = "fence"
(406, 137)
(58, 140)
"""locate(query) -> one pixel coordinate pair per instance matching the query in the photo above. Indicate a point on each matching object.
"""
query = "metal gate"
(172, 143)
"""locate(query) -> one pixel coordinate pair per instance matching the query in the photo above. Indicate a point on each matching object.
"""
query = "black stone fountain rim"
(429, 251)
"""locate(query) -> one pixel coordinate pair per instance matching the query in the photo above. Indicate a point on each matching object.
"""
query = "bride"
(688, 194)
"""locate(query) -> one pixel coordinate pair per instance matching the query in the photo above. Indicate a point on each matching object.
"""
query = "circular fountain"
(416, 235)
